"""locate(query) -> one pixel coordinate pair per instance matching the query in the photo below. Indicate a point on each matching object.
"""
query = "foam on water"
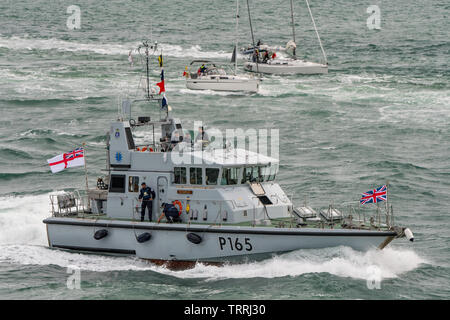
(23, 241)
(342, 262)
(18, 43)
(21, 219)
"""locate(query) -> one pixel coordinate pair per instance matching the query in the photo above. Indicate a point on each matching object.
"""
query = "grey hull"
(218, 243)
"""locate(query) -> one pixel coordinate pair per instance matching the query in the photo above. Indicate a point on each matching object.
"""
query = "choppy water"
(382, 113)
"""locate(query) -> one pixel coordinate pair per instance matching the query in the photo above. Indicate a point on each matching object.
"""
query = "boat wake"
(341, 262)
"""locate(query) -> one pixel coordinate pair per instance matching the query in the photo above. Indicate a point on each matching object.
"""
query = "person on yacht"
(255, 57)
(202, 70)
(266, 57)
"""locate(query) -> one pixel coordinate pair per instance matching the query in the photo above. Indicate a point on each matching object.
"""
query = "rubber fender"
(194, 238)
(144, 237)
(100, 234)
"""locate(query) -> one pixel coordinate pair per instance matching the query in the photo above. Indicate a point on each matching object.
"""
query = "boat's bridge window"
(265, 173)
(195, 175)
(273, 172)
(133, 184)
(212, 175)
(117, 183)
(230, 176)
(252, 174)
(179, 175)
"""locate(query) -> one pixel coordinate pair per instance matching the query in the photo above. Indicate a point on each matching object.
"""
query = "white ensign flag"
(62, 161)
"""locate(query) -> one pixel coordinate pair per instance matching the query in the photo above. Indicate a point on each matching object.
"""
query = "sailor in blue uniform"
(146, 196)
(171, 212)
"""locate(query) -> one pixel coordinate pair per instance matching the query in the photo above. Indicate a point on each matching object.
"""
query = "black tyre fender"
(143, 237)
(194, 238)
(100, 234)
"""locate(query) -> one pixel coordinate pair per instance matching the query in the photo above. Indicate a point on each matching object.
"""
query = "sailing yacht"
(206, 75)
(261, 61)
(209, 76)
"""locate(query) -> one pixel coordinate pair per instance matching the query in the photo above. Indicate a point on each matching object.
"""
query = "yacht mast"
(293, 27)
(253, 38)
(236, 45)
(251, 27)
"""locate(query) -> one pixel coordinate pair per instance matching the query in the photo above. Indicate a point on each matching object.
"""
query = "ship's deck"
(287, 222)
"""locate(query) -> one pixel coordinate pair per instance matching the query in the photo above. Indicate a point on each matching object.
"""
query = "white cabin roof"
(232, 157)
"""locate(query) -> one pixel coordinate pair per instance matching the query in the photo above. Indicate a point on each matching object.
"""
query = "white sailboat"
(212, 77)
(291, 65)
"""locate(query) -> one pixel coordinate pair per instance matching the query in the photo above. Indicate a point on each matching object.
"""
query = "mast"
(236, 44)
(147, 69)
(253, 38)
(251, 27)
(293, 27)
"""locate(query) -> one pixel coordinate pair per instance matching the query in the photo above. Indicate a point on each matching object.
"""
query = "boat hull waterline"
(169, 242)
(251, 85)
(287, 68)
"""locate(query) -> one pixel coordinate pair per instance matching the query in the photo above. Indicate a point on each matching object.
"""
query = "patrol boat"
(230, 206)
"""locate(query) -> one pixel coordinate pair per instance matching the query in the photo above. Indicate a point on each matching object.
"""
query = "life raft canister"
(178, 204)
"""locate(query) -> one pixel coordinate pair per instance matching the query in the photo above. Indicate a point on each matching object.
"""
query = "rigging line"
(317, 32)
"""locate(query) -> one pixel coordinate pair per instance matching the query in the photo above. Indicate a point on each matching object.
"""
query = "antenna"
(145, 43)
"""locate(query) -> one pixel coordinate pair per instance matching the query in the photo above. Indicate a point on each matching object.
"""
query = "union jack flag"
(374, 196)
(77, 153)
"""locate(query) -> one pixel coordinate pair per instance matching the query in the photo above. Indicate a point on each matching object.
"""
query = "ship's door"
(162, 191)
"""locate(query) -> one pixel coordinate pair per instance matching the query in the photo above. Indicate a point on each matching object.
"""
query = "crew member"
(202, 69)
(171, 212)
(201, 135)
(146, 196)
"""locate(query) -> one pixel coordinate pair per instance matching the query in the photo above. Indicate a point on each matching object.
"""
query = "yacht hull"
(169, 242)
(287, 68)
(251, 85)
